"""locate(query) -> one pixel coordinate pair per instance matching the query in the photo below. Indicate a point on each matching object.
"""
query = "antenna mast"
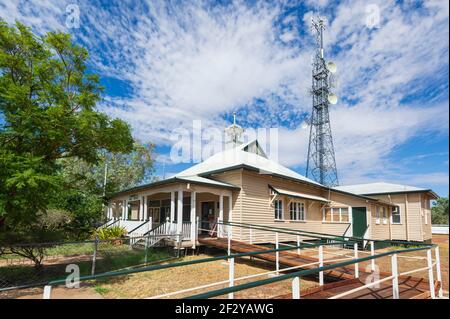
(321, 163)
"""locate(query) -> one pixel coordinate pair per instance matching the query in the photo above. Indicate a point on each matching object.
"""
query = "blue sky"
(167, 63)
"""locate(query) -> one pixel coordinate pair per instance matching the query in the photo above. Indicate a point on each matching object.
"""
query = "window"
(278, 204)
(327, 215)
(396, 217)
(377, 216)
(335, 217)
(133, 210)
(297, 210)
(336, 214)
(384, 215)
(344, 215)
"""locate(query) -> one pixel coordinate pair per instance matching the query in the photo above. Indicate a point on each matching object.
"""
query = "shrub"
(110, 233)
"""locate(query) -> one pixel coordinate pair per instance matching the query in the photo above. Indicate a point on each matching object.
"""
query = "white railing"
(231, 272)
(395, 275)
(186, 230)
(129, 225)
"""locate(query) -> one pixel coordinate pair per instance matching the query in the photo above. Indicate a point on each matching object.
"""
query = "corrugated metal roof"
(203, 180)
(237, 157)
(379, 188)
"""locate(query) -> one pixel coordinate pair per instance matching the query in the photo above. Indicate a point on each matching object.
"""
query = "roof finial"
(234, 131)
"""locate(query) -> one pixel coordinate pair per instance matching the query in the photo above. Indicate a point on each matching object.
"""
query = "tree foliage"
(439, 212)
(47, 114)
(84, 184)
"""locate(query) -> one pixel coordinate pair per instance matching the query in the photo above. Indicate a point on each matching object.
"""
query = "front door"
(207, 216)
(359, 221)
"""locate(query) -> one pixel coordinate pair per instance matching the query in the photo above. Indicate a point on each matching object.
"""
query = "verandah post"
(430, 274)
(395, 292)
(321, 265)
(298, 244)
(438, 271)
(251, 235)
(197, 225)
(219, 232)
(296, 288)
(355, 248)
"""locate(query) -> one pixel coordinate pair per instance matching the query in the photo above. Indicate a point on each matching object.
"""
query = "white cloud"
(198, 62)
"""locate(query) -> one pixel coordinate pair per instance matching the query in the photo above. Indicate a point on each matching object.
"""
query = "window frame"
(399, 214)
(278, 209)
(384, 215)
(300, 215)
(332, 212)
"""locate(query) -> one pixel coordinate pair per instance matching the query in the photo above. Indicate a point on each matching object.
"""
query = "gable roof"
(248, 155)
(383, 188)
(189, 179)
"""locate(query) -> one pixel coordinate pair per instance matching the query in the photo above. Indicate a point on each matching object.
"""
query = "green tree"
(48, 108)
(439, 212)
(84, 184)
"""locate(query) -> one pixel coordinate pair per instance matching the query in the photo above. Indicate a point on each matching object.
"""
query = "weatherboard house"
(242, 185)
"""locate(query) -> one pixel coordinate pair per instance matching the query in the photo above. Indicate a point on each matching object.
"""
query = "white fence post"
(438, 271)
(296, 288)
(321, 265)
(395, 292)
(94, 256)
(355, 249)
(229, 243)
(277, 246)
(47, 292)
(372, 253)
(430, 273)
(298, 244)
(231, 277)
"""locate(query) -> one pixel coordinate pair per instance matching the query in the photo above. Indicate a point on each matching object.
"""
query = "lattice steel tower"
(321, 163)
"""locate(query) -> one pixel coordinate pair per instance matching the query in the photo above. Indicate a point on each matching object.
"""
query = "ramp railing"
(323, 265)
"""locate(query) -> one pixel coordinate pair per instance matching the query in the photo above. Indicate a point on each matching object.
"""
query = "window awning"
(286, 192)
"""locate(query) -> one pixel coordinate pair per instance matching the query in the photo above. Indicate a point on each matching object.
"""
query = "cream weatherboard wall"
(415, 216)
(252, 205)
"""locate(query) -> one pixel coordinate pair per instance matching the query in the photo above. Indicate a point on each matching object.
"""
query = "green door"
(359, 221)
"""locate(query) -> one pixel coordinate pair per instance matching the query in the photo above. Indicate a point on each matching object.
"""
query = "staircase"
(152, 237)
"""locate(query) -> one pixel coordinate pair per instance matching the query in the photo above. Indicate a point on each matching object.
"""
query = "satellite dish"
(332, 98)
(331, 66)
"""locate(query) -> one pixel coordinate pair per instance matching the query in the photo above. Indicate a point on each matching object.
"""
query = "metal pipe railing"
(230, 256)
(306, 272)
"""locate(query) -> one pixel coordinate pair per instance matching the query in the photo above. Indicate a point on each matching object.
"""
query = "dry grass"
(148, 284)
(159, 282)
